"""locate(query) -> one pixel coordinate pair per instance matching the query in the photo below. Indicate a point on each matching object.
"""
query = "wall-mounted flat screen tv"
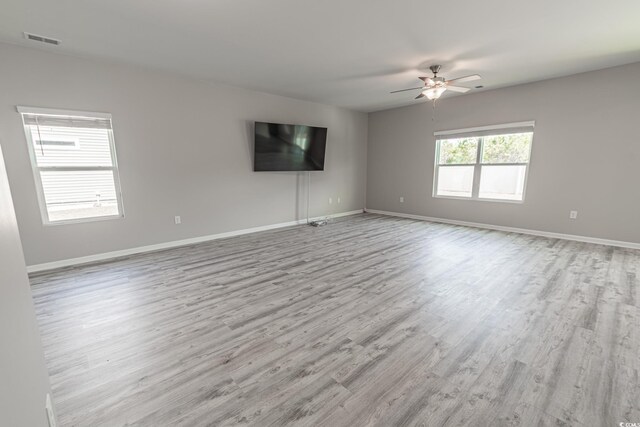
(281, 147)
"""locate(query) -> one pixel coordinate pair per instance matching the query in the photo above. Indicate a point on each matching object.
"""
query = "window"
(74, 164)
(488, 163)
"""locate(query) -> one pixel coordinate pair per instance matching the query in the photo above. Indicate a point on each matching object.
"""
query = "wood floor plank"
(370, 320)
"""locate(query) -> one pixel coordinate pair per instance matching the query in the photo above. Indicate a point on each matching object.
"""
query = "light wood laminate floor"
(370, 320)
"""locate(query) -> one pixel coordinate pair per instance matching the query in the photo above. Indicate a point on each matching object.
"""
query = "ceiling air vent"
(41, 39)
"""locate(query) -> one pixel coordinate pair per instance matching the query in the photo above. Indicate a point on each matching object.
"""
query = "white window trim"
(60, 112)
(35, 169)
(530, 123)
(477, 170)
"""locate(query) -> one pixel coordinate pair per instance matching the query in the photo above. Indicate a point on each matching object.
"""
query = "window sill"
(82, 220)
(478, 199)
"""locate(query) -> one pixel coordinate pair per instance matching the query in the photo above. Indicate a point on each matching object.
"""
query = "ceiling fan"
(435, 86)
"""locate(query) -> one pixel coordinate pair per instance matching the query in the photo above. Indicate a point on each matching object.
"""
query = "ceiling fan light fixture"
(434, 87)
(434, 92)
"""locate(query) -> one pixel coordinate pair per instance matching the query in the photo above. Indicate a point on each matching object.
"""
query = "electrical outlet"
(401, 199)
(573, 215)
(330, 200)
(50, 415)
(178, 220)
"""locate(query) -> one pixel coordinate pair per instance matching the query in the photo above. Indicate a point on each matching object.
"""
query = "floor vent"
(41, 39)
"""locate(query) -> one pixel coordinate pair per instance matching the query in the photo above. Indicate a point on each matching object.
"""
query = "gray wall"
(183, 149)
(24, 382)
(585, 155)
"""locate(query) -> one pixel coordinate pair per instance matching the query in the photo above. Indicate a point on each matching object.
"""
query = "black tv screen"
(281, 147)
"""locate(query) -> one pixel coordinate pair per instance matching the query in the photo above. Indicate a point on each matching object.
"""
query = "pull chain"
(433, 115)
(40, 136)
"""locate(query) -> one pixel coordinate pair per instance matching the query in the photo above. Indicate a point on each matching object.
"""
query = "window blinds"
(74, 164)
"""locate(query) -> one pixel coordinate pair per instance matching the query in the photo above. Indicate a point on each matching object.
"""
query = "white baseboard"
(586, 239)
(176, 243)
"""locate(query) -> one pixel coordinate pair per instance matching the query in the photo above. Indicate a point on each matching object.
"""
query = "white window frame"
(477, 166)
(37, 169)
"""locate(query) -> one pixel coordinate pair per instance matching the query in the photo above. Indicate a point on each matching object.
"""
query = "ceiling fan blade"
(470, 78)
(419, 96)
(404, 90)
(458, 89)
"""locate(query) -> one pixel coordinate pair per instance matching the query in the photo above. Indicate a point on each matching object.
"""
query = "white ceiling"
(350, 53)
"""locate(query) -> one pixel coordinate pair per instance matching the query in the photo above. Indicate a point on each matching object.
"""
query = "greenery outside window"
(487, 163)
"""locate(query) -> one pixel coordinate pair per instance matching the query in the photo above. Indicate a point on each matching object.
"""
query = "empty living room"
(297, 213)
